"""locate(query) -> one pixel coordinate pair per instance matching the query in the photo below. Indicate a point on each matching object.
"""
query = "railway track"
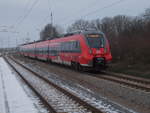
(126, 80)
(61, 100)
(133, 82)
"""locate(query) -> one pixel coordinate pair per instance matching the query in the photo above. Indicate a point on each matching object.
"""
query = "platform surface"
(13, 99)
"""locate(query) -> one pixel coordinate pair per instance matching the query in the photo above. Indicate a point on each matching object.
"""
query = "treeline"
(129, 37)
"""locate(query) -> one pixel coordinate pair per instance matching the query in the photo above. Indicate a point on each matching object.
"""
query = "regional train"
(82, 49)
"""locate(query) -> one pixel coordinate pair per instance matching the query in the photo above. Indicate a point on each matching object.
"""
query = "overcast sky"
(25, 18)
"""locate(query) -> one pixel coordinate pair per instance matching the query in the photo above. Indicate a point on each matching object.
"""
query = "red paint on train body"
(88, 49)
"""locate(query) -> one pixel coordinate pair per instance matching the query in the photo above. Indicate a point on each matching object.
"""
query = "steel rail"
(128, 77)
(63, 90)
(50, 108)
(134, 83)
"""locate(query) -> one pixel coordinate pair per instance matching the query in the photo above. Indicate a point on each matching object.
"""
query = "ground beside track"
(137, 70)
(110, 90)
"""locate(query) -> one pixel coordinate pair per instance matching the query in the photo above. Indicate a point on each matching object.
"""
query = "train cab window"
(95, 40)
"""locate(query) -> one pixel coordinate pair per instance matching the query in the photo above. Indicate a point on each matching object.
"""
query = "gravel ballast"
(129, 97)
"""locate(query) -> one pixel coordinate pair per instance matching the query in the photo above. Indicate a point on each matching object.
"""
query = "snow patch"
(15, 97)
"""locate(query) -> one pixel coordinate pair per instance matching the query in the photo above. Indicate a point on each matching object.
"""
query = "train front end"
(98, 54)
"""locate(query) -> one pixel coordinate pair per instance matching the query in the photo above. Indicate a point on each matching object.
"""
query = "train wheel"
(72, 65)
(76, 66)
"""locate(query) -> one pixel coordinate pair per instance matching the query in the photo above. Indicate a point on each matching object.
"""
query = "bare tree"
(49, 32)
(79, 25)
(146, 15)
(59, 29)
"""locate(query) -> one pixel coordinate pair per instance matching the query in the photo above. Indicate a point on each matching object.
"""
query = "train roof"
(83, 32)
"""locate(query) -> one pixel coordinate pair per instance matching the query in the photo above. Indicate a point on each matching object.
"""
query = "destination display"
(94, 35)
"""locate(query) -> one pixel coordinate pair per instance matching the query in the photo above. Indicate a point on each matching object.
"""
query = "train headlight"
(105, 50)
(90, 51)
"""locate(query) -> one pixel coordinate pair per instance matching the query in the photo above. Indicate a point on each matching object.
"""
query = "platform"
(13, 99)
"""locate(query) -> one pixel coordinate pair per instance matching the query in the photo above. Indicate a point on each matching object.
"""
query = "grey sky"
(64, 11)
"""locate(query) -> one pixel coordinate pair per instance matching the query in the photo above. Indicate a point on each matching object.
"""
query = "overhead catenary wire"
(25, 8)
(49, 16)
(108, 6)
(18, 19)
(89, 13)
(22, 18)
(50, 8)
(97, 10)
(52, 14)
(83, 9)
(27, 14)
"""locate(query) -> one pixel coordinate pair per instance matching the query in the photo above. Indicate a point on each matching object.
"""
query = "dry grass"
(140, 70)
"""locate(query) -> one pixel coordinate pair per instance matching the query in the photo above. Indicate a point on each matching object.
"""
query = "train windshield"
(95, 41)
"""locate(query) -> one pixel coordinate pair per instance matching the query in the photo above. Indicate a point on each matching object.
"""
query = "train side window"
(61, 47)
(47, 50)
(37, 50)
(65, 47)
(40, 50)
(68, 46)
(43, 50)
(71, 46)
(77, 46)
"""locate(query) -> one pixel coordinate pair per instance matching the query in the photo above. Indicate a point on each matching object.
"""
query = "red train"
(84, 49)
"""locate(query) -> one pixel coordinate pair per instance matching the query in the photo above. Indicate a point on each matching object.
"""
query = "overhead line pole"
(52, 23)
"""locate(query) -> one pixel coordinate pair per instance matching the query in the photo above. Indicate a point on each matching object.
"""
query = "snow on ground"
(96, 100)
(13, 98)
